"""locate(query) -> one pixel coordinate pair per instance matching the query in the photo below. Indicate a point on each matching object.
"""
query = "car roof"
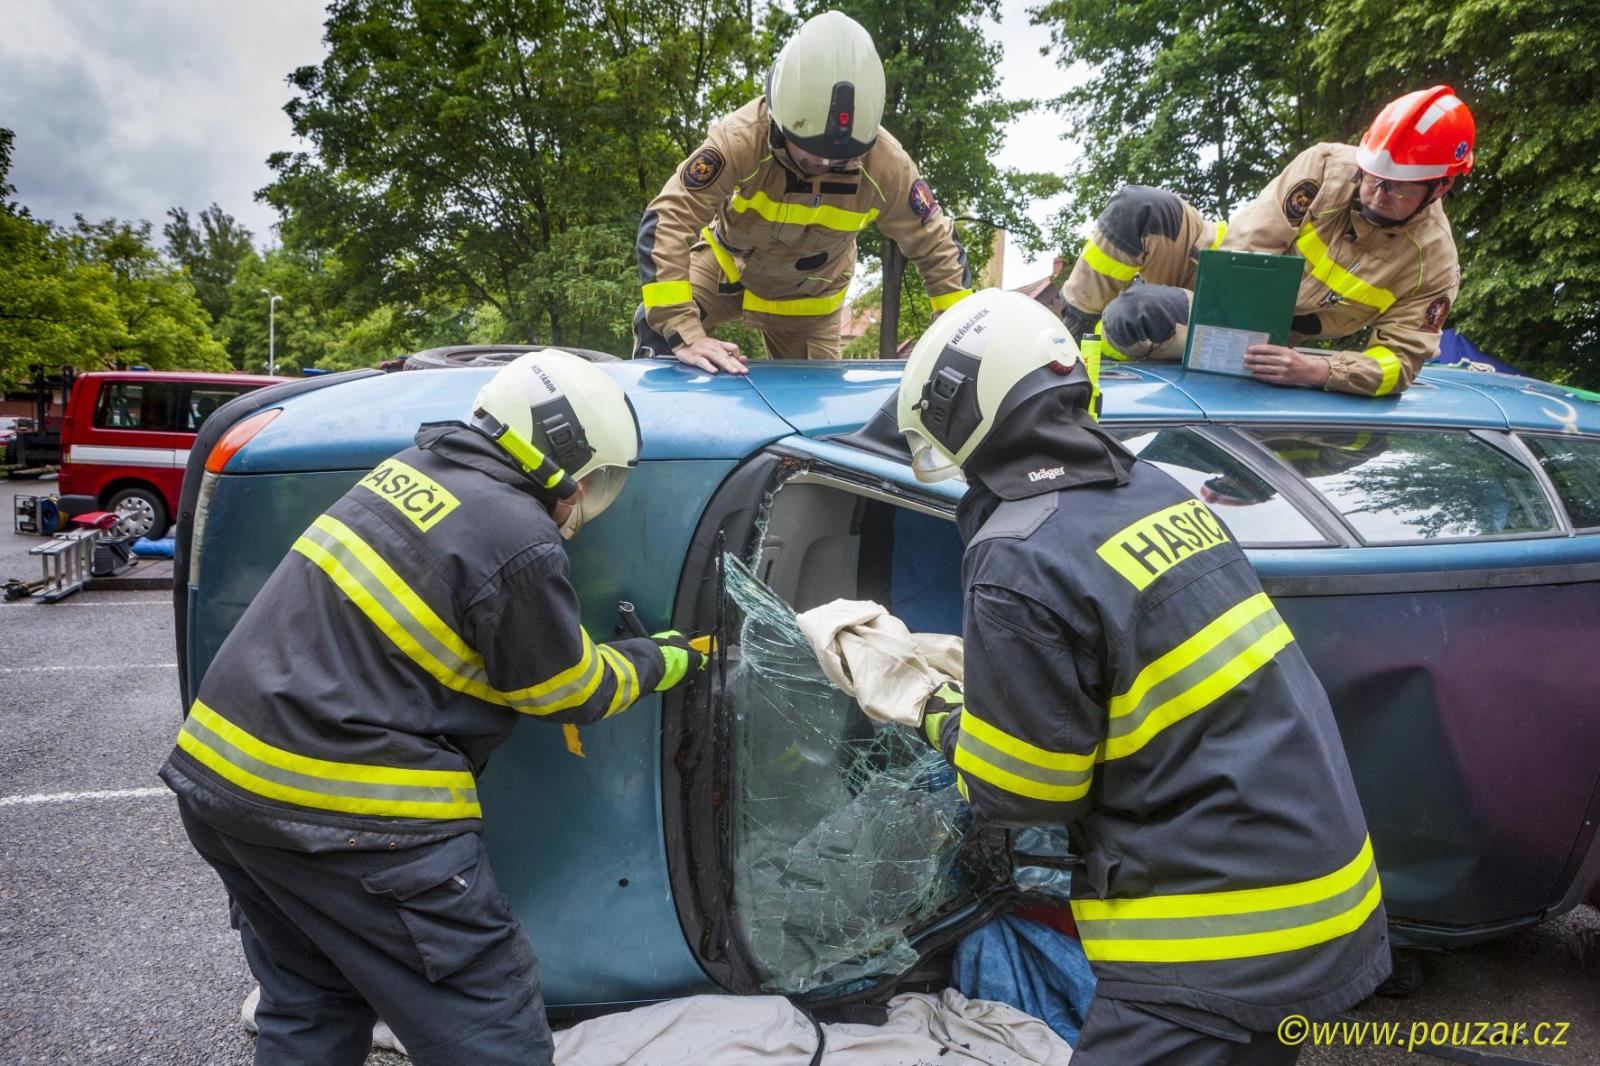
(825, 398)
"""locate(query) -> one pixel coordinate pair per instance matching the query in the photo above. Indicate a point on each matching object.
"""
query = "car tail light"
(225, 449)
(237, 437)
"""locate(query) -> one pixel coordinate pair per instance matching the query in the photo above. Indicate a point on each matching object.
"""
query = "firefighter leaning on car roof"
(1369, 221)
(1126, 676)
(328, 768)
(761, 221)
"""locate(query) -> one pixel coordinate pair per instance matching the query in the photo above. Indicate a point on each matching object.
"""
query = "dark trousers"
(1118, 1033)
(422, 937)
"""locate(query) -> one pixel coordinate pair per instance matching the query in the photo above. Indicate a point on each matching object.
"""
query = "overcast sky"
(130, 107)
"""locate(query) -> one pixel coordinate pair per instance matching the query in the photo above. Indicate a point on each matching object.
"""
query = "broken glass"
(846, 833)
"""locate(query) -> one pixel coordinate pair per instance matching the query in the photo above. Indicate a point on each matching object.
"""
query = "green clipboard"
(1238, 293)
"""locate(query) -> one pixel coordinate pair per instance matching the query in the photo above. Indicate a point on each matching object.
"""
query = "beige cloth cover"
(871, 655)
(948, 1029)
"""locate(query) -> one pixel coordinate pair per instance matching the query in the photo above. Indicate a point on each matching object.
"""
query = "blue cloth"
(1457, 351)
(158, 549)
(1031, 967)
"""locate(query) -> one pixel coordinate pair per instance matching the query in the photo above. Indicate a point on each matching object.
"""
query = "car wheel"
(140, 513)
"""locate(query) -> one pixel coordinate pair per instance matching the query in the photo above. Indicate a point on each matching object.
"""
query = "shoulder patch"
(1298, 203)
(922, 201)
(1017, 518)
(702, 168)
(420, 498)
(1160, 541)
(1433, 318)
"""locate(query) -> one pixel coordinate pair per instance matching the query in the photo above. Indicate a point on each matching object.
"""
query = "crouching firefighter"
(1127, 677)
(328, 768)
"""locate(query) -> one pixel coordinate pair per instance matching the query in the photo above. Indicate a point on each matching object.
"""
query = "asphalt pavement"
(114, 937)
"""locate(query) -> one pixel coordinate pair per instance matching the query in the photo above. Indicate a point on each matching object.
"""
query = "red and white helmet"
(1421, 136)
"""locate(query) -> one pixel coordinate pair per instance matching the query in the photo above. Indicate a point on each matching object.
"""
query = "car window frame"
(1294, 490)
(1549, 482)
(1498, 439)
(187, 397)
(102, 398)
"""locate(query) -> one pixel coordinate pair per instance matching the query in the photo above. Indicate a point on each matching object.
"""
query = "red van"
(126, 438)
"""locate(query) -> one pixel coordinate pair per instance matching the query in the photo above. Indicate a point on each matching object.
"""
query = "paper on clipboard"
(1220, 350)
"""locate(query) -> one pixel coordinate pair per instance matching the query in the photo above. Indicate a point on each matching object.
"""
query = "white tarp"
(947, 1030)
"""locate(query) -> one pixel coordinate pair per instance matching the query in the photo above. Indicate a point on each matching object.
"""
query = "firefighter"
(328, 767)
(1127, 677)
(1369, 221)
(761, 220)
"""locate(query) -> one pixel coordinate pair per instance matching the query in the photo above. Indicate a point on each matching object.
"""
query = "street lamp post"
(272, 307)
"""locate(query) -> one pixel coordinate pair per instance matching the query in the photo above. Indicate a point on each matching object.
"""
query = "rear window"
(1573, 464)
(148, 405)
(204, 399)
(1251, 508)
(1404, 486)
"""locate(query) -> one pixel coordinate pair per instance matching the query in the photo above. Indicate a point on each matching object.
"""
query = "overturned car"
(1437, 556)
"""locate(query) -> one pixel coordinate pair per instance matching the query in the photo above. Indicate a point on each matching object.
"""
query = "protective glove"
(680, 655)
(945, 699)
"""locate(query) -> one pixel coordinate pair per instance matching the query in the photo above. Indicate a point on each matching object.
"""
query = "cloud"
(126, 110)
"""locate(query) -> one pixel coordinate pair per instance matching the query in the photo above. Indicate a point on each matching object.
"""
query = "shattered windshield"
(846, 833)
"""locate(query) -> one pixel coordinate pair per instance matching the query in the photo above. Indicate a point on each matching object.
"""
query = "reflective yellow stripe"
(949, 299)
(730, 269)
(787, 214)
(1196, 673)
(1222, 230)
(1104, 264)
(1233, 924)
(425, 638)
(1337, 277)
(356, 788)
(803, 305)
(1017, 748)
(995, 757)
(667, 293)
(1387, 362)
(626, 677)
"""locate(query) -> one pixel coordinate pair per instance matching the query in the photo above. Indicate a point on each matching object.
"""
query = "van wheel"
(141, 513)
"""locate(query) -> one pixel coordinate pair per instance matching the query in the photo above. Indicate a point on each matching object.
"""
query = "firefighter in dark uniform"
(1369, 221)
(328, 767)
(760, 223)
(1127, 677)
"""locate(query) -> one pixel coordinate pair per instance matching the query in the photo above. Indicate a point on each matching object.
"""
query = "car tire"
(492, 355)
(142, 511)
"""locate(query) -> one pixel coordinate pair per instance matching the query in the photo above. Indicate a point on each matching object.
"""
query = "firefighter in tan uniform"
(761, 221)
(1368, 220)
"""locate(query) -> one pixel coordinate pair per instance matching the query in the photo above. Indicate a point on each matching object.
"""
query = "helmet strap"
(546, 472)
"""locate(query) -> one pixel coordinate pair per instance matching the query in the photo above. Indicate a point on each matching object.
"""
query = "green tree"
(161, 322)
(93, 297)
(1207, 98)
(210, 252)
(1524, 221)
(500, 155)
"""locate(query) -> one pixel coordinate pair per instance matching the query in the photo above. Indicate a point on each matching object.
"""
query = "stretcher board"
(1240, 299)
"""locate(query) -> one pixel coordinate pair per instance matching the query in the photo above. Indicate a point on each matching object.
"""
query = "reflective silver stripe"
(968, 742)
(1219, 925)
(571, 694)
(1196, 672)
(326, 786)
